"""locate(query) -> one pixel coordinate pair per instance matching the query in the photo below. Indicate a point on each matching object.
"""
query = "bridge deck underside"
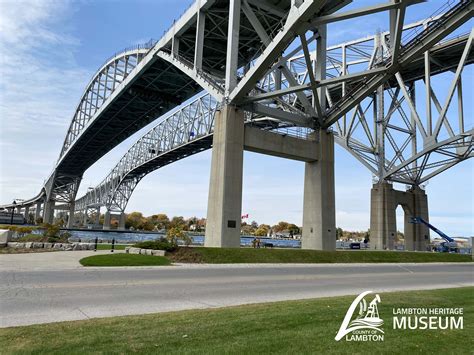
(445, 57)
(178, 153)
(160, 87)
(157, 90)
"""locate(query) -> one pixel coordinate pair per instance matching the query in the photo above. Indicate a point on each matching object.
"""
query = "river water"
(133, 237)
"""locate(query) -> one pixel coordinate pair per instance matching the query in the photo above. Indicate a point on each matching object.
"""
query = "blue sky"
(50, 49)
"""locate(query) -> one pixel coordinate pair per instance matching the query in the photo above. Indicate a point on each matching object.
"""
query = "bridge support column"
(225, 189)
(97, 217)
(383, 220)
(107, 218)
(85, 217)
(48, 211)
(70, 219)
(37, 211)
(18, 210)
(319, 207)
(121, 225)
(27, 214)
(417, 236)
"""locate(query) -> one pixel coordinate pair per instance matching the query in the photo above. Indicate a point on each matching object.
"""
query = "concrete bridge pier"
(107, 219)
(48, 211)
(225, 188)
(70, 219)
(97, 216)
(84, 221)
(230, 140)
(383, 220)
(417, 236)
(319, 207)
(121, 225)
(27, 213)
(37, 211)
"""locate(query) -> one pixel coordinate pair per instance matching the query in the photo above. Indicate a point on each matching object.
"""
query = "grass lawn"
(121, 259)
(7, 250)
(293, 327)
(250, 255)
(104, 246)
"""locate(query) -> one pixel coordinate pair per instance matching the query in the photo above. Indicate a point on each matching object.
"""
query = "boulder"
(134, 250)
(148, 252)
(158, 252)
(5, 236)
(28, 245)
(47, 245)
(12, 244)
(66, 246)
(20, 245)
(127, 250)
(37, 245)
(143, 251)
(57, 246)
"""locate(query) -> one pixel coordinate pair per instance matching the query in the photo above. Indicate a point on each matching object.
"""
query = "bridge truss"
(259, 56)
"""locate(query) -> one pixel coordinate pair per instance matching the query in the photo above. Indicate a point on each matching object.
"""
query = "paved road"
(41, 295)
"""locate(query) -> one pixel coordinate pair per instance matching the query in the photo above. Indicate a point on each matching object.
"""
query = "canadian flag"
(245, 216)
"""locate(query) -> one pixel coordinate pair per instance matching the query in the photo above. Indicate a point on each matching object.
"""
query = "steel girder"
(341, 58)
(101, 86)
(201, 37)
(183, 133)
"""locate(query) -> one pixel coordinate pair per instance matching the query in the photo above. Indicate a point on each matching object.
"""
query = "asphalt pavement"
(35, 289)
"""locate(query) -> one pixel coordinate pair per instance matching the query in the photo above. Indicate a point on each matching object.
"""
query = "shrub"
(21, 231)
(32, 238)
(177, 233)
(157, 244)
(52, 233)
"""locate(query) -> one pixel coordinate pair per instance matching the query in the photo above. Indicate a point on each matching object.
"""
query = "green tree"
(293, 229)
(177, 233)
(247, 229)
(178, 221)
(134, 220)
(339, 233)
(280, 227)
(262, 230)
(160, 220)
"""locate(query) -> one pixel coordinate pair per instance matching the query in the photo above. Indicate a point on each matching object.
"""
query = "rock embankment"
(154, 252)
(54, 246)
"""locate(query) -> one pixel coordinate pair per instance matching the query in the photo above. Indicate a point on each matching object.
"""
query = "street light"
(13, 211)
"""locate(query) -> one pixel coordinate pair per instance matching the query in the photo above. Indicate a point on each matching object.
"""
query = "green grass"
(250, 255)
(122, 259)
(104, 246)
(294, 327)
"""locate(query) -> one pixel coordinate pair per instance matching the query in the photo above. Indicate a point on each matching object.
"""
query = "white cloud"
(40, 85)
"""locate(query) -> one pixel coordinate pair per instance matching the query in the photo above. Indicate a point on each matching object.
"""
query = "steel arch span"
(354, 132)
(239, 51)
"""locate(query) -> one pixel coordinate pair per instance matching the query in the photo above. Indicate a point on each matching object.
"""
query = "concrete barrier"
(152, 252)
(5, 236)
(55, 246)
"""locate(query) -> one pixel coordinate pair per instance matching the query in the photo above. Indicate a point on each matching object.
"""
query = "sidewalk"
(55, 260)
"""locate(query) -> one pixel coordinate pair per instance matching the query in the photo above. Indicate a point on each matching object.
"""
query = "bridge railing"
(387, 61)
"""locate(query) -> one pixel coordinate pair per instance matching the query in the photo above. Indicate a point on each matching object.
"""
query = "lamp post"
(13, 211)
